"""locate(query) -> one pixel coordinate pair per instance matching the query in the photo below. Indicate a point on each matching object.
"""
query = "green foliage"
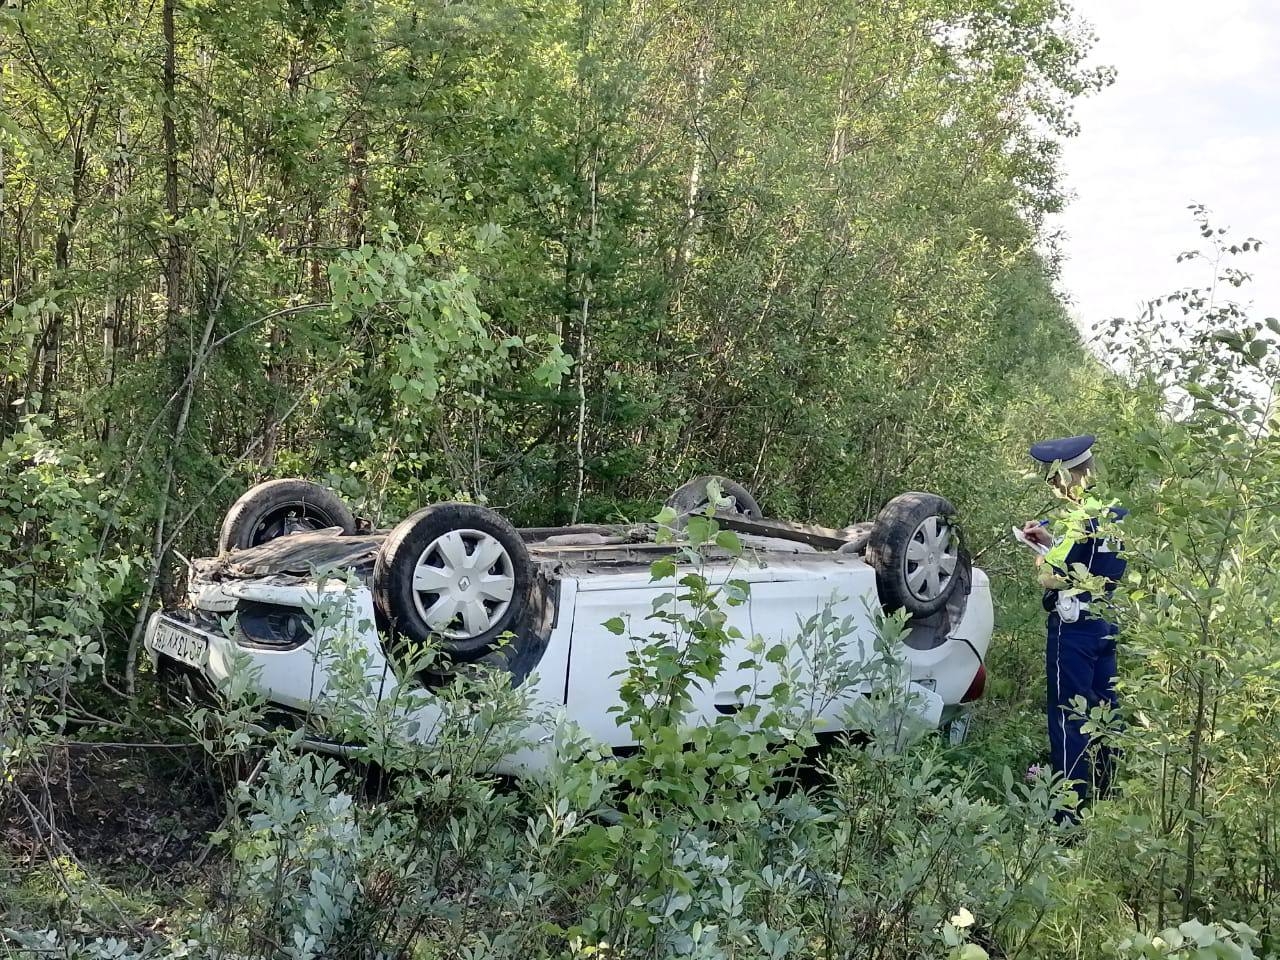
(1193, 940)
(54, 584)
(442, 251)
(704, 842)
(1200, 608)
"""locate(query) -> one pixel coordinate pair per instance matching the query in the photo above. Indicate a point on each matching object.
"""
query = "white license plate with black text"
(181, 643)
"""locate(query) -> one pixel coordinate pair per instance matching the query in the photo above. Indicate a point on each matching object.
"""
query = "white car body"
(577, 676)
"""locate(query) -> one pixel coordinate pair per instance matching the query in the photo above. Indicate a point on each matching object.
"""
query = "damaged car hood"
(298, 555)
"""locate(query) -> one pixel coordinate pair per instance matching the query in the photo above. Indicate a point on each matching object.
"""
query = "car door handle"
(728, 702)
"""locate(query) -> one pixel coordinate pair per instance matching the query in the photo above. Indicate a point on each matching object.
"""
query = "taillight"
(977, 687)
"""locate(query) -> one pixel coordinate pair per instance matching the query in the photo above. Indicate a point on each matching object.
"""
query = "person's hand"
(1036, 532)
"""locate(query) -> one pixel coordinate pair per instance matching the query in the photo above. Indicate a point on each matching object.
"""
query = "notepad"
(1023, 539)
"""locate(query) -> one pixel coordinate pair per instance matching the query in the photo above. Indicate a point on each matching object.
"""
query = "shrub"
(54, 583)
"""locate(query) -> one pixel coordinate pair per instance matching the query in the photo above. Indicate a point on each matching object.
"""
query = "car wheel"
(916, 549)
(279, 508)
(692, 498)
(455, 575)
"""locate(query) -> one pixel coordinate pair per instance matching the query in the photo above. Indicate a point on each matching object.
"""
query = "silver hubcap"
(462, 583)
(931, 559)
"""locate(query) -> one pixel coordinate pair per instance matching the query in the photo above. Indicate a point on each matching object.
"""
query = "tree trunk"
(51, 341)
(173, 245)
(693, 196)
(275, 376)
(114, 304)
(184, 373)
(276, 371)
(357, 190)
(586, 291)
(839, 133)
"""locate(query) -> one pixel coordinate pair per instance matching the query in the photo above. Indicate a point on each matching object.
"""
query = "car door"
(782, 597)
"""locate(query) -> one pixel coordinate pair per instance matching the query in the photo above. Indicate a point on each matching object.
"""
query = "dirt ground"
(133, 820)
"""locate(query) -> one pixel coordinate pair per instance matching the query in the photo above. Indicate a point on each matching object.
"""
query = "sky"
(1193, 117)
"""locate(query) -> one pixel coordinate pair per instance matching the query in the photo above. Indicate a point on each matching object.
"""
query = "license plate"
(180, 643)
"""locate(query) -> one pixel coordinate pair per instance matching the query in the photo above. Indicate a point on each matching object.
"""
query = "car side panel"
(781, 598)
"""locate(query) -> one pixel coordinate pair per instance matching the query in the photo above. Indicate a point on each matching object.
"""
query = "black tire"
(692, 498)
(404, 608)
(916, 565)
(278, 508)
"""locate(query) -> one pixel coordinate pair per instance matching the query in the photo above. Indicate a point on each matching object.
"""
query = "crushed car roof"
(586, 546)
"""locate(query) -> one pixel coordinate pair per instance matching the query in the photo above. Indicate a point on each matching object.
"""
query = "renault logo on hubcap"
(464, 583)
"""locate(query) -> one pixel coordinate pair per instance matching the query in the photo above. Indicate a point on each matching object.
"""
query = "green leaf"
(728, 540)
(662, 568)
(699, 529)
(666, 516)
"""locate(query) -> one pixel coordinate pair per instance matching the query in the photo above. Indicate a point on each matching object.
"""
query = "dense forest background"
(559, 258)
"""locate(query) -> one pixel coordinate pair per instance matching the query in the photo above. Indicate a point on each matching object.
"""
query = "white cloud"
(1194, 117)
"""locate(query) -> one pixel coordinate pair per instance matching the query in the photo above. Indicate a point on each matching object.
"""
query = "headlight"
(271, 625)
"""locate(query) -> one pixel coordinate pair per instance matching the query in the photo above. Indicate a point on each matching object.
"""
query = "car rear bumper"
(950, 667)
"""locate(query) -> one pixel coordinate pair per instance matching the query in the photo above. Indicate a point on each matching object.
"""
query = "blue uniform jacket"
(1102, 557)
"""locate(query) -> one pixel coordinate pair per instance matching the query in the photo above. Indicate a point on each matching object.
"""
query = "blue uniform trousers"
(1080, 661)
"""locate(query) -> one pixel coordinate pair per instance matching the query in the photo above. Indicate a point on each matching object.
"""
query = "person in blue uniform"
(1083, 565)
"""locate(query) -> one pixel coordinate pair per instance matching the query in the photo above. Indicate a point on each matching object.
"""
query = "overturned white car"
(534, 603)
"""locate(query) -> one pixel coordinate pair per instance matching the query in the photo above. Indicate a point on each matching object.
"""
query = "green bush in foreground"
(55, 583)
(715, 851)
